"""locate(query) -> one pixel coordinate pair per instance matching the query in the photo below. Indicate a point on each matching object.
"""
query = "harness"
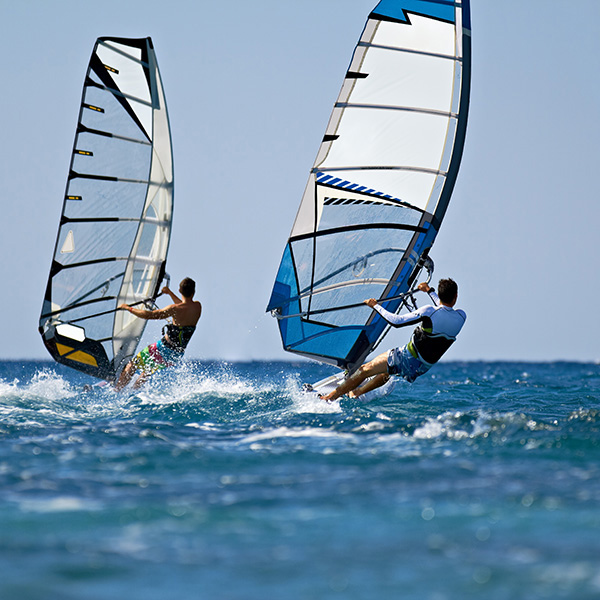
(177, 337)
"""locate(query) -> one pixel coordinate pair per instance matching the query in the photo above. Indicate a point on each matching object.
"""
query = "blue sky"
(250, 87)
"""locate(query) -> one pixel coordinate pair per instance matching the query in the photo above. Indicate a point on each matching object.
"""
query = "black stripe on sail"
(330, 138)
(356, 75)
(107, 312)
(111, 69)
(376, 197)
(78, 305)
(64, 220)
(57, 267)
(74, 175)
(97, 67)
(81, 128)
(336, 230)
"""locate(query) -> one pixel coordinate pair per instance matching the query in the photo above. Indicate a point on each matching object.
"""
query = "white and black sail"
(115, 225)
(381, 182)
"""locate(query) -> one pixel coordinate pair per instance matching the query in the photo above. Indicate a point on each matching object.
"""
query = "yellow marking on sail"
(111, 69)
(62, 349)
(84, 152)
(79, 356)
(83, 357)
(92, 107)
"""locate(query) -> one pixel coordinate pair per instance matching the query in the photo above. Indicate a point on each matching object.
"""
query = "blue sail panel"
(397, 9)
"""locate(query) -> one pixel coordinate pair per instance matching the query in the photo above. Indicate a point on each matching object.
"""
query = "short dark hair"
(447, 290)
(187, 287)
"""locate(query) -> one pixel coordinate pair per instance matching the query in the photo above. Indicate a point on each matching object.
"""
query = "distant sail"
(381, 182)
(115, 225)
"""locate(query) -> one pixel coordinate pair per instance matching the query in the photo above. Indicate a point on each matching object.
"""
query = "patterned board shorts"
(402, 363)
(155, 357)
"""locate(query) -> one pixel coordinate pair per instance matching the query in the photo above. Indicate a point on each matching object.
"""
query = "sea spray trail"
(226, 481)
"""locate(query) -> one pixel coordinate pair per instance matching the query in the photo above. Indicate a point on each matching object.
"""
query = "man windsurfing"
(185, 313)
(439, 323)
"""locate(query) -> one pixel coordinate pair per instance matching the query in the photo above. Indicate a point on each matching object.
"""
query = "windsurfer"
(185, 313)
(440, 324)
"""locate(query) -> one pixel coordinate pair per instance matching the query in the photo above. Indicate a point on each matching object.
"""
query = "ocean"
(224, 481)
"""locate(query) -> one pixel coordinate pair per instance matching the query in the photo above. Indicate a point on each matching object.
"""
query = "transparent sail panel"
(115, 225)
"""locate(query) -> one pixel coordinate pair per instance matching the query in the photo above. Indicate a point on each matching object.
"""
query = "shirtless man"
(440, 324)
(185, 313)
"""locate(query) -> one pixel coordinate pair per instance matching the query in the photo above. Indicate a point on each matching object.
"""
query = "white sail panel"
(424, 82)
(424, 34)
(400, 139)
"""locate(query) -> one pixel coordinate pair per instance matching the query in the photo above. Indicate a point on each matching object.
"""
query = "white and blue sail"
(115, 225)
(381, 182)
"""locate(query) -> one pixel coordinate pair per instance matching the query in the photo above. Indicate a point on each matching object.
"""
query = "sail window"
(69, 245)
(72, 332)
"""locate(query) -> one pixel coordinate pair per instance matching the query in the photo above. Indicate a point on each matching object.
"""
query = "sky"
(250, 87)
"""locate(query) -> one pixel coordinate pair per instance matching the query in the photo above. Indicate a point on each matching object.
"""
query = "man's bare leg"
(371, 384)
(126, 374)
(140, 381)
(374, 367)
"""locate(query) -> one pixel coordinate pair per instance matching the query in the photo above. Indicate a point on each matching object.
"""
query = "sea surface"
(224, 481)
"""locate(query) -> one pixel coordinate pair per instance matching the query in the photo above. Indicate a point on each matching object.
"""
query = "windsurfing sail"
(115, 225)
(381, 182)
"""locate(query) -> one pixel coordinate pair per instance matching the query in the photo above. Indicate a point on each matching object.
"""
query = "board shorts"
(402, 363)
(155, 357)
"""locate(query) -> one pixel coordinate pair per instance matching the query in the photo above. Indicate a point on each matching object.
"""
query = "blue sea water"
(225, 482)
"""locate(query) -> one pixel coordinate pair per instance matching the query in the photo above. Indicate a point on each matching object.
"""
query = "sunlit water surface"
(227, 482)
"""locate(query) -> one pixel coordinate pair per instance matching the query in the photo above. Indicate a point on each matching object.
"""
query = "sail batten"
(424, 111)
(115, 225)
(381, 182)
(408, 51)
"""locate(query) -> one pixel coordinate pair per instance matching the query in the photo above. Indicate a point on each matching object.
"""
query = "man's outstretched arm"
(174, 297)
(150, 315)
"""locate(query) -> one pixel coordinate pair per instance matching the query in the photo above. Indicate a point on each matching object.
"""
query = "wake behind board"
(324, 386)
(98, 385)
